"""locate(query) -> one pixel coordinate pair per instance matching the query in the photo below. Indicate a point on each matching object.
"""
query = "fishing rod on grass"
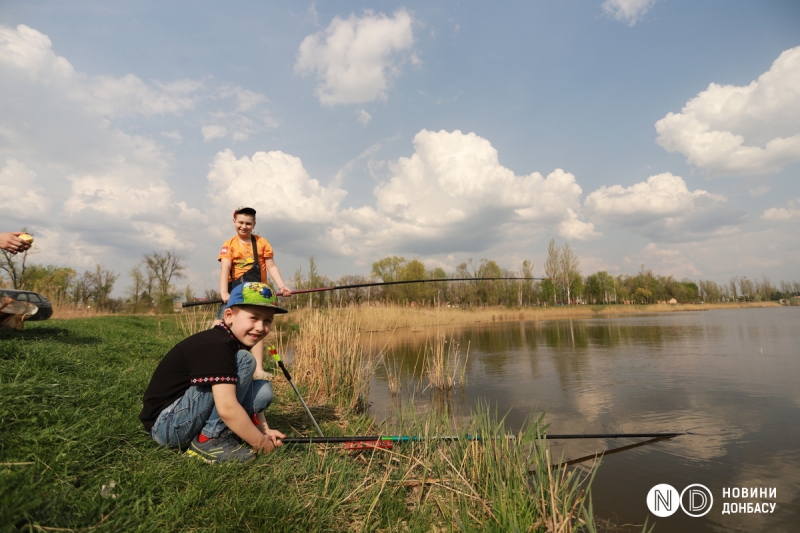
(372, 284)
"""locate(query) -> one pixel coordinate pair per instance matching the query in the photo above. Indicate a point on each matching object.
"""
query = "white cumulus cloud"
(275, 184)
(27, 54)
(453, 176)
(782, 214)
(452, 194)
(629, 11)
(20, 195)
(662, 208)
(355, 58)
(741, 130)
(104, 194)
(574, 229)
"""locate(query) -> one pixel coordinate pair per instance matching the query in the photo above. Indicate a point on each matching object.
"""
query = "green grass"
(70, 394)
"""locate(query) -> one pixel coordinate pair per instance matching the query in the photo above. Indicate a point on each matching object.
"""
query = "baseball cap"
(254, 293)
(244, 211)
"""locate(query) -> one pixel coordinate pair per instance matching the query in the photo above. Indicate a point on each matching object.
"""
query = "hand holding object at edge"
(15, 241)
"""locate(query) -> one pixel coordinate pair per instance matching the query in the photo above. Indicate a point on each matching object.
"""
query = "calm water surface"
(729, 376)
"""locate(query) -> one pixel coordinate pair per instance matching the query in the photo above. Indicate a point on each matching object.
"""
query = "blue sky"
(663, 133)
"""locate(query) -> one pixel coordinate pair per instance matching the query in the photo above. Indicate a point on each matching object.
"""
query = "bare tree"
(552, 265)
(570, 270)
(746, 287)
(526, 290)
(355, 295)
(732, 285)
(136, 290)
(163, 268)
(100, 283)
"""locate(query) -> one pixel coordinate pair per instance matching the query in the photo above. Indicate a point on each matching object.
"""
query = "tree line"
(564, 284)
(153, 284)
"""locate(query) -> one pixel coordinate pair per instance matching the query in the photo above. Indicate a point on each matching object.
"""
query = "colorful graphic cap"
(253, 293)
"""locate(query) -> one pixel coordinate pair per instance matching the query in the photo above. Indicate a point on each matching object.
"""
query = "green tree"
(548, 289)
(52, 281)
(388, 269)
(414, 292)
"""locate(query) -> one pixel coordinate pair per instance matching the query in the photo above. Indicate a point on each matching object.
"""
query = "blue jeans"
(194, 412)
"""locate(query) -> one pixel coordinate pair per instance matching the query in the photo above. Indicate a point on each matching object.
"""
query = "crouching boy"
(203, 392)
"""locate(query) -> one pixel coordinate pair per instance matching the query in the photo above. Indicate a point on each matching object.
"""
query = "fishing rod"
(451, 438)
(612, 451)
(372, 284)
(275, 355)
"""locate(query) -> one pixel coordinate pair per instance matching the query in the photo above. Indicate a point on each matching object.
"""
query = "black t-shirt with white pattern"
(205, 358)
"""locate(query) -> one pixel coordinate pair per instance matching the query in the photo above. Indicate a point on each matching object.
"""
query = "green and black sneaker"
(221, 449)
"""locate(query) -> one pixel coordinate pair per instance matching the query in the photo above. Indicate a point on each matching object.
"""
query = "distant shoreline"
(382, 318)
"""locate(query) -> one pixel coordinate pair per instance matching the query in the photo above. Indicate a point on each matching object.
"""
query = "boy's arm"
(235, 417)
(272, 268)
(263, 427)
(224, 273)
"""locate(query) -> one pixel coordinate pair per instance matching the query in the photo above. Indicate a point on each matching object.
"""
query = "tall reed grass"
(443, 365)
(487, 480)
(389, 317)
(330, 359)
(196, 319)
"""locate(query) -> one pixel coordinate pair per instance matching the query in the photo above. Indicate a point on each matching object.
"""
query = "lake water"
(728, 376)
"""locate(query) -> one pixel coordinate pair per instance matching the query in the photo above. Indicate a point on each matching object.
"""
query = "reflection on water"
(728, 376)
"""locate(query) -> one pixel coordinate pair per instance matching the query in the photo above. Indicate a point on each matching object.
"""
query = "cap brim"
(278, 310)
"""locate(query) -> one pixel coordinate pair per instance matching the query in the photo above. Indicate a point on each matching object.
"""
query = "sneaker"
(221, 449)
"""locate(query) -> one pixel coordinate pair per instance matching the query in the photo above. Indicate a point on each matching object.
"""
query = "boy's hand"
(225, 295)
(286, 291)
(272, 440)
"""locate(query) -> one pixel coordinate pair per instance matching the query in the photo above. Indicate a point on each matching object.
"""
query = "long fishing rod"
(372, 284)
(612, 451)
(450, 438)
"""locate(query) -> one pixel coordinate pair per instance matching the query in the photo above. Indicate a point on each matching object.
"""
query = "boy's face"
(249, 323)
(244, 225)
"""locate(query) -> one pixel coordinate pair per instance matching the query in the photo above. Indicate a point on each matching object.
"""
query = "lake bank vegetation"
(76, 458)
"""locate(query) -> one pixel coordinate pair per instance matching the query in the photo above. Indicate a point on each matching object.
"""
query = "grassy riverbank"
(74, 458)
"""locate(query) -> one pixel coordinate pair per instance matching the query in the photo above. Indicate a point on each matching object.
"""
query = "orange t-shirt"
(241, 256)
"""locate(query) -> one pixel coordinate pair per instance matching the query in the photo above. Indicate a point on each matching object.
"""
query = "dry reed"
(195, 319)
(70, 311)
(443, 364)
(387, 318)
(487, 480)
(392, 375)
(330, 360)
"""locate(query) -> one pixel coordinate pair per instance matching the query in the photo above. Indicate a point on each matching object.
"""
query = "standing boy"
(203, 392)
(238, 265)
